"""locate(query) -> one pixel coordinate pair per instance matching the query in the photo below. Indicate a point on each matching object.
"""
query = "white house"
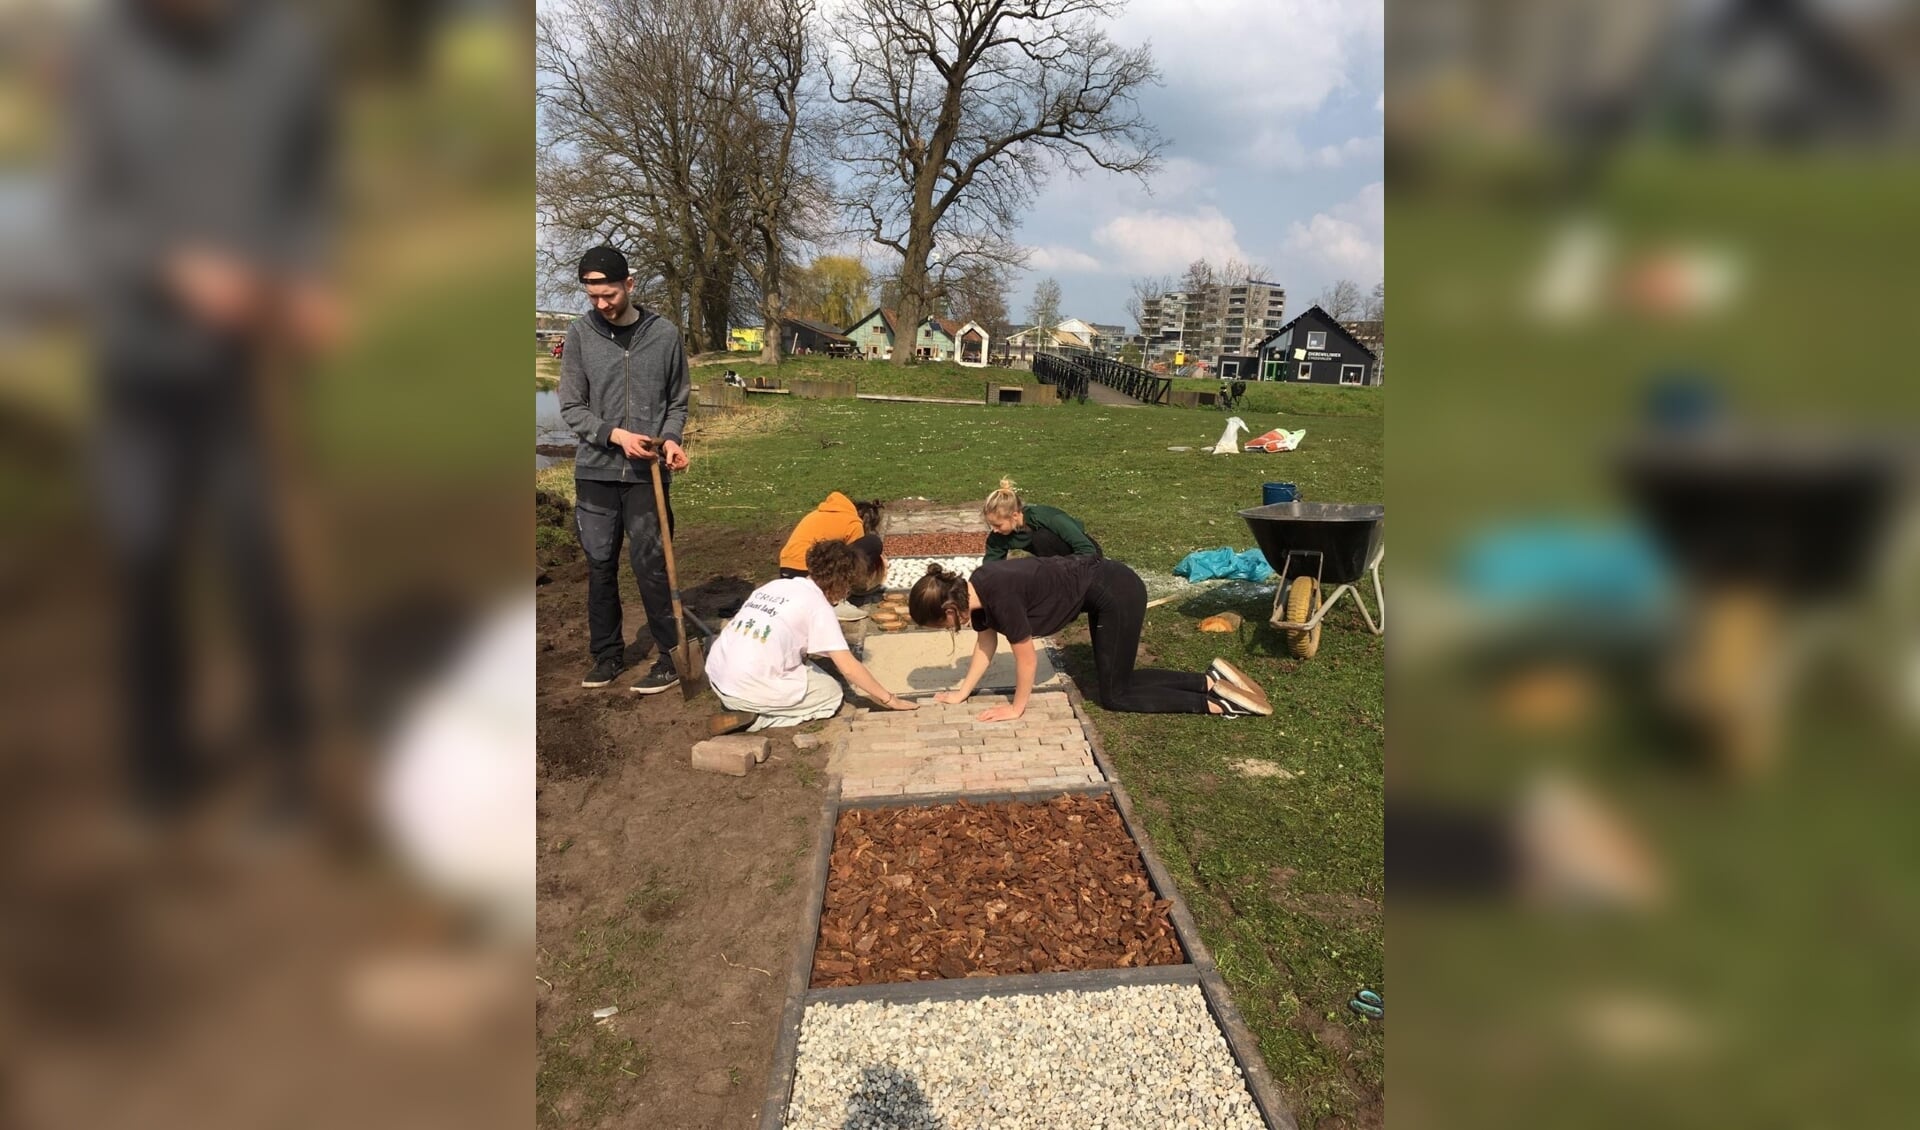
(970, 345)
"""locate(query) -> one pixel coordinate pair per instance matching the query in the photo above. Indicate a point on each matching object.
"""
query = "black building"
(1314, 348)
(804, 335)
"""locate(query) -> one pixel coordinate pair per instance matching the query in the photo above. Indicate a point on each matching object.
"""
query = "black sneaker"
(662, 677)
(604, 671)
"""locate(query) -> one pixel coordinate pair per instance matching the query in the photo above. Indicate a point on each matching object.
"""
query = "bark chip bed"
(936, 545)
(975, 890)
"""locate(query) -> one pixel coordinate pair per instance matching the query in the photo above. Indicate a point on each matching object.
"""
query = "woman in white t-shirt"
(759, 666)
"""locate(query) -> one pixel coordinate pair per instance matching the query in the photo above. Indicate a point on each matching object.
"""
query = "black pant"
(605, 514)
(177, 448)
(1116, 607)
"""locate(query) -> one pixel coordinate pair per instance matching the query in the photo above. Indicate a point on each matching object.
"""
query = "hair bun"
(934, 570)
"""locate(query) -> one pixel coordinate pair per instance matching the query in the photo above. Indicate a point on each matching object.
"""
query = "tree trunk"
(771, 253)
(913, 303)
(676, 308)
(715, 305)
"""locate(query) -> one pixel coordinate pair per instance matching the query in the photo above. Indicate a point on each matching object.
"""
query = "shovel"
(687, 655)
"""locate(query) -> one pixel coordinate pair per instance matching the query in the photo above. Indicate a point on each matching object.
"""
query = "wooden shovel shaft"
(687, 659)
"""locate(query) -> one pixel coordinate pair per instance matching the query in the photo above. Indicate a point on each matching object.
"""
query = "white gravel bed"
(1146, 1056)
(902, 572)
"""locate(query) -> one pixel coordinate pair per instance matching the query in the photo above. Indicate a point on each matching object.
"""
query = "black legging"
(1116, 607)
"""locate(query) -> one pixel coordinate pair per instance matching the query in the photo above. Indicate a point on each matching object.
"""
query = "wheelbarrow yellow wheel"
(1303, 600)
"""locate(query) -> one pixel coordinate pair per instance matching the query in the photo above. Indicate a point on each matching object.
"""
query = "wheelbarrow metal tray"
(1346, 535)
(1805, 517)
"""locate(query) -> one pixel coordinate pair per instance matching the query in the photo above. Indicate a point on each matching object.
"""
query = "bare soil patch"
(663, 891)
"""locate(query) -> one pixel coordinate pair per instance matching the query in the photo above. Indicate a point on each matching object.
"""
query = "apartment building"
(1225, 319)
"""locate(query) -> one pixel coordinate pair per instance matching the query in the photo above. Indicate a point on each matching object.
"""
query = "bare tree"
(675, 129)
(1238, 272)
(1142, 290)
(1377, 302)
(1044, 310)
(980, 295)
(1200, 278)
(955, 113)
(621, 162)
(758, 52)
(1342, 300)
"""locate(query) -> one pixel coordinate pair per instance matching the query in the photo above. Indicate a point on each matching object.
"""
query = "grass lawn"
(934, 378)
(1297, 399)
(1285, 876)
(546, 368)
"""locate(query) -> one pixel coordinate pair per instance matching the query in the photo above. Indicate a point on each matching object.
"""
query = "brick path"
(933, 520)
(942, 749)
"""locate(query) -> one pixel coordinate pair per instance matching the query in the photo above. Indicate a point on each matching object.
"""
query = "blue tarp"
(1565, 564)
(1207, 564)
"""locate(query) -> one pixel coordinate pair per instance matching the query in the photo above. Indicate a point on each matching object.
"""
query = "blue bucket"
(1273, 493)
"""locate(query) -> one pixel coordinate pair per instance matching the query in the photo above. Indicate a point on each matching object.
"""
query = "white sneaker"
(846, 611)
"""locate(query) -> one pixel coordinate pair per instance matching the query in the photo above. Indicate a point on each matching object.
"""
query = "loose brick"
(733, 755)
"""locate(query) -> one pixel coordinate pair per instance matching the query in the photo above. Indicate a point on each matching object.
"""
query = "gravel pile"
(1147, 1056)
(902, 572)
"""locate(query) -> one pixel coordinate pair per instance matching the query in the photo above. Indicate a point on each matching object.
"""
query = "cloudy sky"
(1272, 114)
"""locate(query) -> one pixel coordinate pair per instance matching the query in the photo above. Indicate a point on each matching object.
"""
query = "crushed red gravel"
(975, 890)
(935, 545)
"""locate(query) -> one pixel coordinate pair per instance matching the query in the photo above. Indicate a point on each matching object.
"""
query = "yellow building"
(746, 337)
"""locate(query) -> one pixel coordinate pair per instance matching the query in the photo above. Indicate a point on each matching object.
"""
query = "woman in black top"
(1037, 596)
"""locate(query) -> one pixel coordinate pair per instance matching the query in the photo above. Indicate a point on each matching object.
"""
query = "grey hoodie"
(603, 387)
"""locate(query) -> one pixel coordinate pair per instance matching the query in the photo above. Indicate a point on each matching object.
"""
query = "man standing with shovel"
(623, 392)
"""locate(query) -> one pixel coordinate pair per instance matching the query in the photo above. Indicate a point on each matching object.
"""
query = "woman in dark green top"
(1040, 530)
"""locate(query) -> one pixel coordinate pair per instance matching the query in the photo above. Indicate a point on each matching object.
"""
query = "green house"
(875, 336)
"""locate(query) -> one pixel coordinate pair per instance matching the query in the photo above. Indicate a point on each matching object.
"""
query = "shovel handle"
(666, 545)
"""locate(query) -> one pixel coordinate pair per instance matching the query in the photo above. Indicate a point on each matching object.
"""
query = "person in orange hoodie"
(839, 518)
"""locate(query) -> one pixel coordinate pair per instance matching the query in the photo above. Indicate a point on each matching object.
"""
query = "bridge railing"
(1148, 388)
(1064, 371)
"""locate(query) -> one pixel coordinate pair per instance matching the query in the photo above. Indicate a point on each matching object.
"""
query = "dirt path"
(663, 892)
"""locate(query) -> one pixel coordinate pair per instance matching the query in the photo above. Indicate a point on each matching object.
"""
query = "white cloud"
(1380, 103)
(1154, 241)
(1345, 241)
(1281, 149)
(1181, 177)
(1258, 57)
(1053, 257)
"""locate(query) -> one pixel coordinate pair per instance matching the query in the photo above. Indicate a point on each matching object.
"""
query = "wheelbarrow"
(1313, 545)
(1773, 535)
